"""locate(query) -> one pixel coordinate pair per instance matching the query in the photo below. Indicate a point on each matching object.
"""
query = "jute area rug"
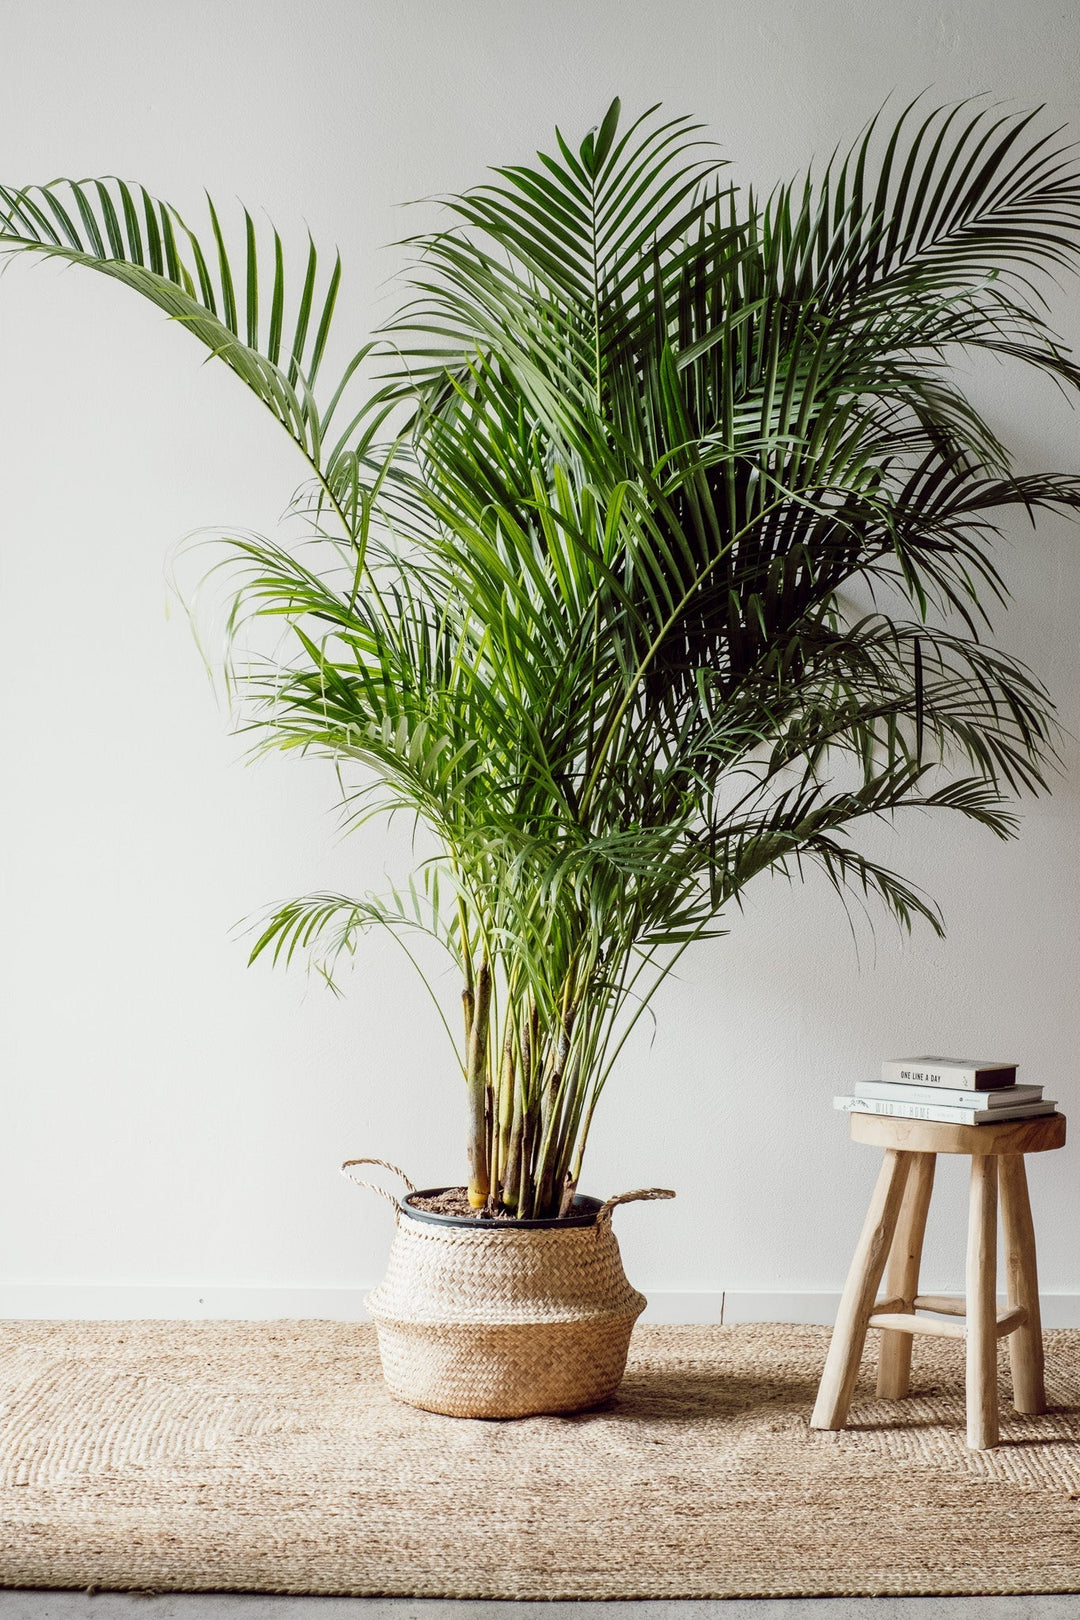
(268, 1457)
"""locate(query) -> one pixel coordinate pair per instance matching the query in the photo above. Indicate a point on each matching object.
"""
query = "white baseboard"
(120, 1302)
(107, 1302)
(675, 1308)
(754, 1307)
(1058, 1310)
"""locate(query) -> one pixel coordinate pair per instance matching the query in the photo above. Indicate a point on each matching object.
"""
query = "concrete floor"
(222, 1606)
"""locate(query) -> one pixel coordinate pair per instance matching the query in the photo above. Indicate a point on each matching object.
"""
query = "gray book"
(957, 1074)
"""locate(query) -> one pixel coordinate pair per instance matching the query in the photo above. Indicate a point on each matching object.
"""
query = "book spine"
(936, 1112)
(908, 1074)
(913, 1110)
(954, 1097)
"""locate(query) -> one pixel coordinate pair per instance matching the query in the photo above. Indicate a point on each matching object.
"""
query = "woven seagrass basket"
(503, 1319)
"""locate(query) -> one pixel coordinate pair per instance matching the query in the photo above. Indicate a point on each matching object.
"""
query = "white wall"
(171, 1119)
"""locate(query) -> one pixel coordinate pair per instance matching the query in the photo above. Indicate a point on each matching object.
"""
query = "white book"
(958, 1074)
(975, 1115)
(947, 1096)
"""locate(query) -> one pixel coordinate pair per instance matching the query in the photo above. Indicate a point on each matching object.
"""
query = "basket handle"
(604, 1212)
(372, 1186)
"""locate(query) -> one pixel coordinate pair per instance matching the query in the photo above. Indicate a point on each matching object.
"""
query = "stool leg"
(1025, 1345)
(860, 1292)
(902, 1276)
(982, 1404)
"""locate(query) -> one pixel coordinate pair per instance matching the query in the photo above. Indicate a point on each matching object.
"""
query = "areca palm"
(651, 548)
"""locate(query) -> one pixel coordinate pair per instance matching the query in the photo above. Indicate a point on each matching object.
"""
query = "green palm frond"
(243, 307)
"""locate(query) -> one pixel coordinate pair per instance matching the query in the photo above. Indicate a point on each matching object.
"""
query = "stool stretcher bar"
(904, 1322)
(946, 1304)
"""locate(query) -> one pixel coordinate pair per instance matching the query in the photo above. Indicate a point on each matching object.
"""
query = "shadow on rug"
(268, 1457)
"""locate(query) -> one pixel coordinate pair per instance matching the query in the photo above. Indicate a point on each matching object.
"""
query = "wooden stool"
(893, 1231)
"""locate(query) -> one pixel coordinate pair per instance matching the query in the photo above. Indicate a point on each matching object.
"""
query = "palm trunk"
(520, 1187)
(504, 1119)
(546, 1195)
(477, 1087)
(519, 1078)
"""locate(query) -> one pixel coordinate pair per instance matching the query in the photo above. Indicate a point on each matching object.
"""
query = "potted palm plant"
(650, 548)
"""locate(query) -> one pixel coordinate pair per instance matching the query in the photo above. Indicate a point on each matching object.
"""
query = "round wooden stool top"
(1037, 1135)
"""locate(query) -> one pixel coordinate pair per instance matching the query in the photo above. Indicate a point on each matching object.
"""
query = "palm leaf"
(122, 231)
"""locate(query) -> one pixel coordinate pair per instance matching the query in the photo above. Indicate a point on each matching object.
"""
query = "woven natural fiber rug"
(268, 1457)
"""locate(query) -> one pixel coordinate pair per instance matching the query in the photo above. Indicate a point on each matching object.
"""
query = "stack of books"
(956, 1091)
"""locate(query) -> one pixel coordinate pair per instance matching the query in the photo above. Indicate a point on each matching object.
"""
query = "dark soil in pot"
(450, 1206)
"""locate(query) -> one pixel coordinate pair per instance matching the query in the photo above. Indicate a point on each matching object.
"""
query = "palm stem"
(476, 1080)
